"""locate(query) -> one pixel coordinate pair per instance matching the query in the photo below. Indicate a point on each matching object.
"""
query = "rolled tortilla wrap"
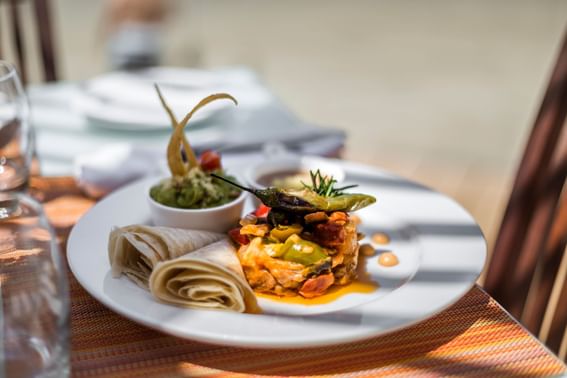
(135, 250)
(209, 278)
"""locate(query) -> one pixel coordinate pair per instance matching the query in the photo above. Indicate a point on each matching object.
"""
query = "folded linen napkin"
(114, 165)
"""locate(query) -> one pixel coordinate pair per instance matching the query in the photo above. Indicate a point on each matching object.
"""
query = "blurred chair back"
(14, 29)
(527, 271)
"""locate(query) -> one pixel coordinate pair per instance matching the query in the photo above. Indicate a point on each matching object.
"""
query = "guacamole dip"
(195, 190)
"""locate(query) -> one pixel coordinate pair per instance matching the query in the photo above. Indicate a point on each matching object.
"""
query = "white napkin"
(112, 166)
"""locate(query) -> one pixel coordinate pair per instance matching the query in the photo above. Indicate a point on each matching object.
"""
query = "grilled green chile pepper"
(306, 200)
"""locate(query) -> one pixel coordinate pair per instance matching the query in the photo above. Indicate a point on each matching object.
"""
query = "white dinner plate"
(440, 247)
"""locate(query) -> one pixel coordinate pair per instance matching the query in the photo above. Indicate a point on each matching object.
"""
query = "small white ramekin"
(290, 163)
(217, 219)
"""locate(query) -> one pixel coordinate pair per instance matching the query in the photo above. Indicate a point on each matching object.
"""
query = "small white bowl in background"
(217, 219)
(287, 165)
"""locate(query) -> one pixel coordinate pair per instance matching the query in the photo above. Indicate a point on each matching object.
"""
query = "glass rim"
(21, 197)
(10, 68)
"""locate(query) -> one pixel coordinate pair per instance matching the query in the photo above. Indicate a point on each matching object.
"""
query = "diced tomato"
(237, 237)
(314, 287)
(262, 211)
(210, 161)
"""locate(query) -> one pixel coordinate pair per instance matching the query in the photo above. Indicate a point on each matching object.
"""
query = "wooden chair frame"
(42, 14)
(533, 233)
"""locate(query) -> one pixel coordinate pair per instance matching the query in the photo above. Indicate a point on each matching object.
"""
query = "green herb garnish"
(325, 186)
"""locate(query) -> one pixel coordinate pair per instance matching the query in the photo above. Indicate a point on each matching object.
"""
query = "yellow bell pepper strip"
(254, 230)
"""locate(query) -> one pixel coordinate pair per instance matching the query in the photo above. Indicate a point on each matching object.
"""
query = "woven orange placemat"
(474, 337)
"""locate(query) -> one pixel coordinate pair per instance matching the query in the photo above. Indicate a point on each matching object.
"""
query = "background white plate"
(127, 100)
(440, 247)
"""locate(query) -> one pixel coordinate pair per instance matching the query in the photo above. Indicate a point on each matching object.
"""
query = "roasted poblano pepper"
(306, 200)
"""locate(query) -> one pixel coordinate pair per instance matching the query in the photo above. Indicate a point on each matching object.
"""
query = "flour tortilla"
(135, 250)
(208, 278)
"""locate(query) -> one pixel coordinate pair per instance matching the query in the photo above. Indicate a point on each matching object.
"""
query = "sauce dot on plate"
(380, 238)
(367, 250)
(388, 259)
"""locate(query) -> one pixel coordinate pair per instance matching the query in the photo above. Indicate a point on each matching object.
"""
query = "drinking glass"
(16, 136)
(34, 302)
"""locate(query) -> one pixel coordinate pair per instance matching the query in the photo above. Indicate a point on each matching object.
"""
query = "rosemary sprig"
(325, 186)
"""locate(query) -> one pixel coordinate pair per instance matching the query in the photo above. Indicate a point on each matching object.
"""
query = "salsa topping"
(300, 241)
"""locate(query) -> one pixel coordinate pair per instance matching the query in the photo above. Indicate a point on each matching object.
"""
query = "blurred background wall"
(443, 92)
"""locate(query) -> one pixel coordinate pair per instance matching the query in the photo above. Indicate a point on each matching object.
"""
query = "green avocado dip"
(196, 190)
